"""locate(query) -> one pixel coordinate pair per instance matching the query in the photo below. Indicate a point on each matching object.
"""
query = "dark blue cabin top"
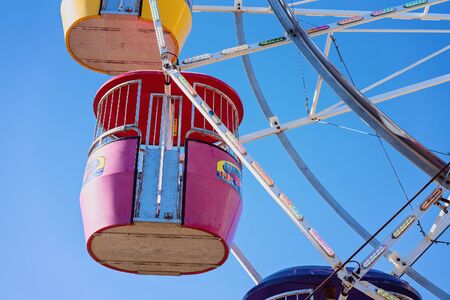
(309, 277)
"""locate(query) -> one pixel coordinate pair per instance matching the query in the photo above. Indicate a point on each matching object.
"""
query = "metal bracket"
(275, 123)
(396, 260)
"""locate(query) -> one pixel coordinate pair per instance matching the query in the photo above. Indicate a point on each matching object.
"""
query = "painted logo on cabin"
(229, 173)
(94, 168)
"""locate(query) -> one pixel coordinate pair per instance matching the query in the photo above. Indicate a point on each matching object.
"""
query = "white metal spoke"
(366, 287)
(246, 264)
(209, 58)
(297, 3)
(345, 109)
(381, 30)
(395, 74)
(319, 12)
(319, 81)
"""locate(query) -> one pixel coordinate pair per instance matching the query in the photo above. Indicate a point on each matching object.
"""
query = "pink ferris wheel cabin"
(161, 192)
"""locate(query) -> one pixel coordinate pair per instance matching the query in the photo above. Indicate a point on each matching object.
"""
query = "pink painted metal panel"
(108, 186)
(213, 200)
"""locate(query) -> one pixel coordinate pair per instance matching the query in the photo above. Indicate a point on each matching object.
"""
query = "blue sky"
(47, 126)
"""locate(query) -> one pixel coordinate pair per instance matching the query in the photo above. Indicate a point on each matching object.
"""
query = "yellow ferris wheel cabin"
(116, 36)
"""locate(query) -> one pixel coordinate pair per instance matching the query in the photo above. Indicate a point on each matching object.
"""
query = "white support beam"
(246, 264)
(209, 58)
(297, 3)
(344, 108)
(320, 12)
(320, 80)
(395, 74)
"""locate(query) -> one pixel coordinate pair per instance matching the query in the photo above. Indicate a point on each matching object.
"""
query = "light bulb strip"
(432, 199)
(321, 242)
(403, 227)
(386, 295)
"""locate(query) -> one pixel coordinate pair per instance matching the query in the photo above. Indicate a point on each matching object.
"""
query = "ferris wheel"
(162, 190)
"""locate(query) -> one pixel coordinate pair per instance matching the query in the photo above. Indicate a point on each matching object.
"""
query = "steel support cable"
(309, 175)
(386, 128)
(367, 133)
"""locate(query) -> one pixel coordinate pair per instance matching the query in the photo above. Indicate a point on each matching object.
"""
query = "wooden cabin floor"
(116, 44)
(156, 248)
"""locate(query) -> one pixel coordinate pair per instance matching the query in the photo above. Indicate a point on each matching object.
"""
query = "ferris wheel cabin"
(298, 282)
(116, 36)
(161, 192)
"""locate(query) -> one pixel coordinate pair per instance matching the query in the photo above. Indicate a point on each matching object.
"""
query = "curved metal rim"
(385, 127)
(111, 132)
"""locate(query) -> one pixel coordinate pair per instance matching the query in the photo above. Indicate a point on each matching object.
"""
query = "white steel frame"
(333, 27)
(443, 220)
(246, 264)
(439, 226)
(321, 12)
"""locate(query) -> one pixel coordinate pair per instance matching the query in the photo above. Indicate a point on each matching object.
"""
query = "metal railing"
(158, 119)
(109, 125)
(222, 106)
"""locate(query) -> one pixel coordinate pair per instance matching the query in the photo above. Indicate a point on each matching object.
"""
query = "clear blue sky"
(47, 124)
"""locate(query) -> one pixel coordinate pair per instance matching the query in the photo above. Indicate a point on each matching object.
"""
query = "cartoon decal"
(94, 168)
(229, 173)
